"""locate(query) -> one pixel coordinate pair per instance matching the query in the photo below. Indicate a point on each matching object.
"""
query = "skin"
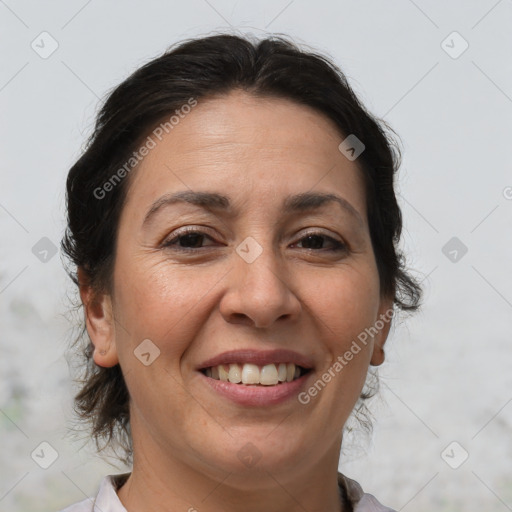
(294, 295)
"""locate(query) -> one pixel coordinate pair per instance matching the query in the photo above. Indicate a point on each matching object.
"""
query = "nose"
(259, 293)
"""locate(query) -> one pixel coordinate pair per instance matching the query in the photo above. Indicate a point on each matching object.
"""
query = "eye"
(192, 239)
(187, 240)
(316, 239)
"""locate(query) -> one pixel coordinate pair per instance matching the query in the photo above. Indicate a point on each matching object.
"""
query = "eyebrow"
(215, 202)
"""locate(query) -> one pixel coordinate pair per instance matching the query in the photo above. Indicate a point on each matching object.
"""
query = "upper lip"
(258, 357)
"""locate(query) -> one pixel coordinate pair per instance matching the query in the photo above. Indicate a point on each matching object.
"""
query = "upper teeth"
(268, 375)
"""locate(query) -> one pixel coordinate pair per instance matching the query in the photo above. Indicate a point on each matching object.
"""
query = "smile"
(252, 374)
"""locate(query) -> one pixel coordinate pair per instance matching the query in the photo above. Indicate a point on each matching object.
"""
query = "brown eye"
(187, 240)
(315, 241)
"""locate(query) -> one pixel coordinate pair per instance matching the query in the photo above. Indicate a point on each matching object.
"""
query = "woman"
(234, 230)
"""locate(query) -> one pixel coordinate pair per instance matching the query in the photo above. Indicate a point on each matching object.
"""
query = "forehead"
(248, 147)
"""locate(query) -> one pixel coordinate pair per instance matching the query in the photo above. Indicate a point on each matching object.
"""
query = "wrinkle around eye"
(356, 240)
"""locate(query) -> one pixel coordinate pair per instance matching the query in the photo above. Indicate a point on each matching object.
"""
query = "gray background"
(447, 376)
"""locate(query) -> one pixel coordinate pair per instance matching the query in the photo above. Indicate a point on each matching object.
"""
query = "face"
(260, 272)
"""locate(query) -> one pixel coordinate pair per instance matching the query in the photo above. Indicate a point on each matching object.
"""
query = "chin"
(256, 454)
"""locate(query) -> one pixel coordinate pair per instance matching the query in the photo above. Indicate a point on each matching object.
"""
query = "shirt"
(107, 499)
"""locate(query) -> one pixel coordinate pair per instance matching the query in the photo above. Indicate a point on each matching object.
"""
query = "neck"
(161, 483)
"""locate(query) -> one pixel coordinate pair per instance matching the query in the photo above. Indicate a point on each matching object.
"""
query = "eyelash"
(338, 246)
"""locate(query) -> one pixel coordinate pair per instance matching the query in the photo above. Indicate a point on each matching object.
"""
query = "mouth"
(257, 378)
(248, 374)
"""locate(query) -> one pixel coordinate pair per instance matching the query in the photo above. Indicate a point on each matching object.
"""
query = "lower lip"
(257, 395)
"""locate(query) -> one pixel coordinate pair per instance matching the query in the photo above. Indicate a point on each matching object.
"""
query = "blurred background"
(440, 73)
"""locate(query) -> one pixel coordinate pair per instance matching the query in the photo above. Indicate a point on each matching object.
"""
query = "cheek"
(346, 301)
(160, 302)
(156, 303)
(163, 302)
(346, 304)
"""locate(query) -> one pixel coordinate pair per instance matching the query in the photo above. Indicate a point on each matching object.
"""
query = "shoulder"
(106, 499)
(360, 500)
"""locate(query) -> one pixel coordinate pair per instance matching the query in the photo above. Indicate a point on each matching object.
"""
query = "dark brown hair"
(204, 68)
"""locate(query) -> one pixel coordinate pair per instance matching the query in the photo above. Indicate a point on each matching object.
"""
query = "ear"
(383, 325)
(99, 321)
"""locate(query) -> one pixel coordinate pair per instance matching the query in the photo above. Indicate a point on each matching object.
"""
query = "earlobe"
(383, 325)
(99, 322)
(106, 358)
(378, 356)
